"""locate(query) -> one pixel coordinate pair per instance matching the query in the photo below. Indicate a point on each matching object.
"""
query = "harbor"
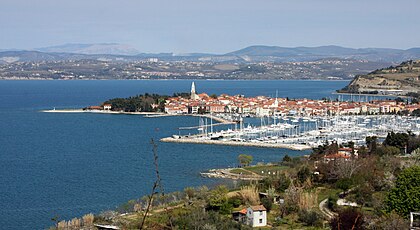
(299, 133)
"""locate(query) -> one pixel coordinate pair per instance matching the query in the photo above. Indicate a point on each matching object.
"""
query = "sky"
(210, 26)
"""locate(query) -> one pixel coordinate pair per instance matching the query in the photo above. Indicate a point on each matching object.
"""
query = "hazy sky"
(215, 26)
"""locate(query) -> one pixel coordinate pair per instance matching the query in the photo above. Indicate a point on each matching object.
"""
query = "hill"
(403, 79)
(313, 53)
(260, 53)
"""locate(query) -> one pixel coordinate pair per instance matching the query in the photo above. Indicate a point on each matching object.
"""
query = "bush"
(282, 183)
(268, 203)
(344, 184)
(332, 203)
(310, 218)
(235, 201)
(363, 195)
(287, 158)
(303, 174)
(405, 197)
(347, 219)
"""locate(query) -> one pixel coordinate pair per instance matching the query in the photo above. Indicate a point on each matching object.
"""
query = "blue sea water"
(67, 165)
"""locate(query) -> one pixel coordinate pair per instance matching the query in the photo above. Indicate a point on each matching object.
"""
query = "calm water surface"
(67, 165)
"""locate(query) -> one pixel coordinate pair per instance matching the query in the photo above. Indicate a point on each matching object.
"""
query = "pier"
(235, 143)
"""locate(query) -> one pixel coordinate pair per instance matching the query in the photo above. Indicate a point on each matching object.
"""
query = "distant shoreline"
(370, 95)
(171, 79)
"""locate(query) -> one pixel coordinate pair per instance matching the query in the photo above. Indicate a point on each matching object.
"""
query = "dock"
(190, 140)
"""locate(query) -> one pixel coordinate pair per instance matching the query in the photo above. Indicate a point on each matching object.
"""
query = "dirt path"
(325, 210)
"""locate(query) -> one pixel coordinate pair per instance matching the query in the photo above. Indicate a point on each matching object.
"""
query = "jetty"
(191, 140)
(227, 174)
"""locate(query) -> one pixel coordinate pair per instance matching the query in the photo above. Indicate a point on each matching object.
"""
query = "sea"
(64, 165)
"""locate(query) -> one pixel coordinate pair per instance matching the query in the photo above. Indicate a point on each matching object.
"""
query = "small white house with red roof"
(257, 216)
(107, 106)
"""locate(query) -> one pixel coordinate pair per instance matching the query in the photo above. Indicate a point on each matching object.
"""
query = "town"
(268, 106)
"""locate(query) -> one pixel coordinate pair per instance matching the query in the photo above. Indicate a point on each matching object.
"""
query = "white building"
(194, 95)
(107, 106)
(257, 216)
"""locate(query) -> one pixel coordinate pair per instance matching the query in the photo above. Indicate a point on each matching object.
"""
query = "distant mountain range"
(101, 48)
(119, 52)
(312, 53)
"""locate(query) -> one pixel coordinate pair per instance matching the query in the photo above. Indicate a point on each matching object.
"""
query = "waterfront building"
(107, 106)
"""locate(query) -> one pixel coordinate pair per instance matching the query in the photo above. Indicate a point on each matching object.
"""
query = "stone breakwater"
(236, 143)
(226, 174)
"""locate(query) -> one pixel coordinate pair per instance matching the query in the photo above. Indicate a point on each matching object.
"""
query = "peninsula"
(401, 80)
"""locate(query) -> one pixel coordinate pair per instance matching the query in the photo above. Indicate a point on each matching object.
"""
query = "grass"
(266, 168)
(324, 193)
(239, 171)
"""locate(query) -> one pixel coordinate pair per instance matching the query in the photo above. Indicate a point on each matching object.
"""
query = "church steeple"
(193, 93)
(192, 88)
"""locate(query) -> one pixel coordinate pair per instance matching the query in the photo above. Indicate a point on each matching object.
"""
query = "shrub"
(286, 158)
(282, 183)
(303, 174)
(344, 184)
(235, 201)
(347, 219)
(332, 203)
(310, 218)
(405, 197)
(267, 202)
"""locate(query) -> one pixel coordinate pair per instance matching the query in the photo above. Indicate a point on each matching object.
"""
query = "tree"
(399, 140)
(344, 184)
(282, 182)
(244, 160)
(303, 174)
(413, 143)
(388, 151)
(405, 197)
(267, 202)
(371, 143)
(286, 158)
(217, 198)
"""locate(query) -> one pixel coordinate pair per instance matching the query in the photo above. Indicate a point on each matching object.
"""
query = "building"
(107, 106)
(240, 216)
(194, 95)
(257, 216)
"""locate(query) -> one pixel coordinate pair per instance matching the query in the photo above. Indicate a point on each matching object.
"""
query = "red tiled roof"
(258, 208)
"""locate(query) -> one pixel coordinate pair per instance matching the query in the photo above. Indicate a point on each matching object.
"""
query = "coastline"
(99, 111)
(369, 95)
(145, 114)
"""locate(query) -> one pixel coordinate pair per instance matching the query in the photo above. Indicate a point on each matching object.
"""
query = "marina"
(300, 133)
